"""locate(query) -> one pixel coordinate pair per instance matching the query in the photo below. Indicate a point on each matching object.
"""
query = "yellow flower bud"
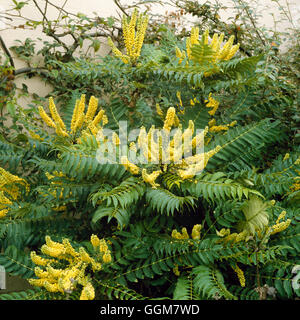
(95, 241)
(106, 257)
(88, 292)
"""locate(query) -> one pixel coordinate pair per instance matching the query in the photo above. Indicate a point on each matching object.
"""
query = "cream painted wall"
(108, 8)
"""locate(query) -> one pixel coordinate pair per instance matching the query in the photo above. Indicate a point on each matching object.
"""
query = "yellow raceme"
(134, 31)
(66, 278)
(221, 51)
(181, 143)
(183, 235)
(240, 274)
(85, 122)
(9, 190)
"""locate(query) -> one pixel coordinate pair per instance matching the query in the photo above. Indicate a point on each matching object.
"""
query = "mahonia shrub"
(219, 223)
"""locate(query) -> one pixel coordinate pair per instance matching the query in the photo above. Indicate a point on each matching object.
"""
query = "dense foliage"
(224, 224)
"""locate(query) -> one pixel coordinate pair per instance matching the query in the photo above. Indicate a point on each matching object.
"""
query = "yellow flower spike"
(281, 216)
(196, 231)
(194, 35)
(103, 246)
(52, 252)
(218, 128)
(179, 53)
(54, 273)
(211, 153)
(212, 122)
(241, 236)
(142, 138)
(232, 52)
(132, 147)
(240, 275)
(287, 156)
(141, 30)
(188, 48)
(205, 36)
(53, 244)
(212, 103)
(176, 271)
(37, 282)
(170, 118)
(52, 287)
(226, 49)
(178, 95)
(174, 234)
(35, 136)
(40, 273)
(98, 118)
(115, 139)
(94, 130)
(150, 178)
(74, 117)
(104, 120)
(95, 241)
(184, 233)
(85, 257)
(46, 118)
(38, 260)
(129, 35)
(9, 184)
(65, 284)
(80, 113)
(177, 235)
(3, 213)
(107, 257)
(55, 115)
(60, 132)
(117, 52)
(159, 111)
(68, 248)
(133, 36)
(223, 232)
(198, 140)
(215, 42)
(220, 40)
(129, 166)
(280, 226)
(92, 108)
(88, 292)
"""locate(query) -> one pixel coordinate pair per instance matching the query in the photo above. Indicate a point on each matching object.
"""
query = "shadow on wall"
(15, 284)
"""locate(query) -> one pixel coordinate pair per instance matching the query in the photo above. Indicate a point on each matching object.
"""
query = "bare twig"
(6, 51)
(30, 70)
(120, 7)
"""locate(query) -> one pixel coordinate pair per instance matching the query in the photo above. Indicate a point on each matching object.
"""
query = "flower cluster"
(4, 201)
(9, 190)
(56, 183)
(233, 237)
(280, 226)
(133, 34)
(66, 268)
(195, 235)
(88, 122)
(244, 235)
(240, 274)
(219, 52)
(169, 152)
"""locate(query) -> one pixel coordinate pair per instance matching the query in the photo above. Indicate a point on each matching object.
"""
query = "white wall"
(106, 8)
